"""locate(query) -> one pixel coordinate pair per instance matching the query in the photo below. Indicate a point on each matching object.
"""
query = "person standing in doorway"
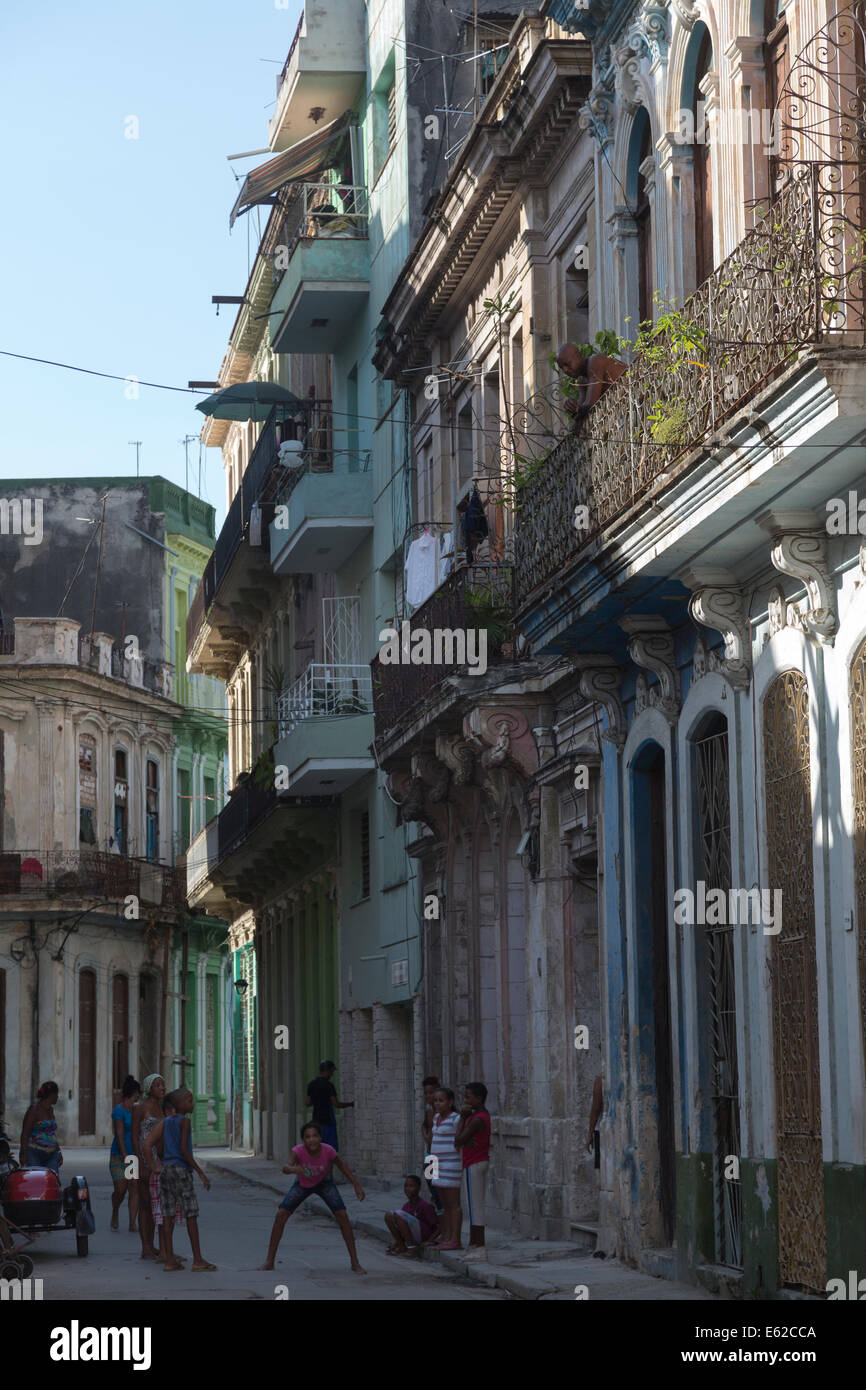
(322, 1096)
(122, 1149)
(473, 1141)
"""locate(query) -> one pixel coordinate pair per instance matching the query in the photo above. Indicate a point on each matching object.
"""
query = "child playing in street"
(414, 1223)
(449, 1170)
(473, 1141)
(311, 1166)
(175, 1172)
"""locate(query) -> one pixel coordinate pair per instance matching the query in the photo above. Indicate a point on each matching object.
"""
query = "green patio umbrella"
(250, 400)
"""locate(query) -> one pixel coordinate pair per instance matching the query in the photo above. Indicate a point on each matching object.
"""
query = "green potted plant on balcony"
(490, 610)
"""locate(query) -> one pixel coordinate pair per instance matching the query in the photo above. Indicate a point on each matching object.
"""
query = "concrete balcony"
(326, 727)
(260, 841)
(323, 72)
(321, 268)
(324, 518)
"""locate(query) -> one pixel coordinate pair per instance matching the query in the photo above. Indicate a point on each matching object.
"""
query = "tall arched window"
(643, 220)
(703, 171)
(152, 810)
(86, 790)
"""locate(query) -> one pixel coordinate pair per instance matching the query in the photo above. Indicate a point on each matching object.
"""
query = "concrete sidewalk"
(527, 1269)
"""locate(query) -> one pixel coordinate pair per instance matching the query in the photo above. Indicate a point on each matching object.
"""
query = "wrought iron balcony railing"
(473, 596)
(324, 691)
(86, 874)
(796, 279)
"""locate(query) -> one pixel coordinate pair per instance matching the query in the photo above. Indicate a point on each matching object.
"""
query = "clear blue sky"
(111, 247)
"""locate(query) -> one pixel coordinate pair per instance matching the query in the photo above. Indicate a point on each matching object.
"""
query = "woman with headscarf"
(39, 1146)
(147, 1113)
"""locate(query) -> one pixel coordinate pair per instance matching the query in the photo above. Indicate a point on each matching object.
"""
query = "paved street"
(235, 1221)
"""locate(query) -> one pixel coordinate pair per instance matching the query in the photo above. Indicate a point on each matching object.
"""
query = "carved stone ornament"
(601, 682)
(688, 14)
(545, 744)
(597, 115)
(457, 755)
(703, 661)
(641, 694)
(861, 577)
(653, 28)
(777, 611)
(651, 646)
(719, 604)
(433, 774)
(800, 550)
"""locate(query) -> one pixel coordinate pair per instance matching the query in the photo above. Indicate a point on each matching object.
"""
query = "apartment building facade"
(94, 720)
(687, 545)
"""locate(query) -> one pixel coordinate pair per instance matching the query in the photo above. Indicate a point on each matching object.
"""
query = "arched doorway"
(655, 1040)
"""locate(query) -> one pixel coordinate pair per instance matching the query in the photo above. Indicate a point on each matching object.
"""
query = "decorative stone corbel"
(800, 549)
(718, 603)
(433, 774)
(688, 15)
(456, 754)
(597, 115)
(651, 647)
(600, 681)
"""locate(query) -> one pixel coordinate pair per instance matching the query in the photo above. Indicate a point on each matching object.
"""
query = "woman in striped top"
(447, 1168)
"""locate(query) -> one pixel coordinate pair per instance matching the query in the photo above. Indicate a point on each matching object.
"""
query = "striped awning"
(307, 157)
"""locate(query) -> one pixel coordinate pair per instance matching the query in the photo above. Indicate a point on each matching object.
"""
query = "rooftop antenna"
(186, 441)
(137, 445)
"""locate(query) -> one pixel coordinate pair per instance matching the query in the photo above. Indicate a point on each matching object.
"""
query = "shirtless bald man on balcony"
(594, 374)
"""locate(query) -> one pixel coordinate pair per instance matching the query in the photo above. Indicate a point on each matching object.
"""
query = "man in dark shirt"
(322, 1096)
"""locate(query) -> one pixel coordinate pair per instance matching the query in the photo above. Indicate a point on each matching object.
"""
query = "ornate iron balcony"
(473, 596)
(795, 279)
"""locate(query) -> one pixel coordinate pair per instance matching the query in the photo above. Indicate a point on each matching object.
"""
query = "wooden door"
(87, 1052)
(119, 1034)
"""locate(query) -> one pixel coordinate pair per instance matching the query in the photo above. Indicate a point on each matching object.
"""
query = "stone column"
(750, 165)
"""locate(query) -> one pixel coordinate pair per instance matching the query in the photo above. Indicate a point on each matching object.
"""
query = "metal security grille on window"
(714, 813)
(802, 1227)
(392, 117)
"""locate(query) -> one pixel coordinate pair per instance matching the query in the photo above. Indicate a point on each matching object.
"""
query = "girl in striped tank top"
(448, 1168)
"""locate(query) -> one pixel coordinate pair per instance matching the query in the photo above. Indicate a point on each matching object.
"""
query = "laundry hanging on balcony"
(475, 529)
(310, 156)
(422, 569)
